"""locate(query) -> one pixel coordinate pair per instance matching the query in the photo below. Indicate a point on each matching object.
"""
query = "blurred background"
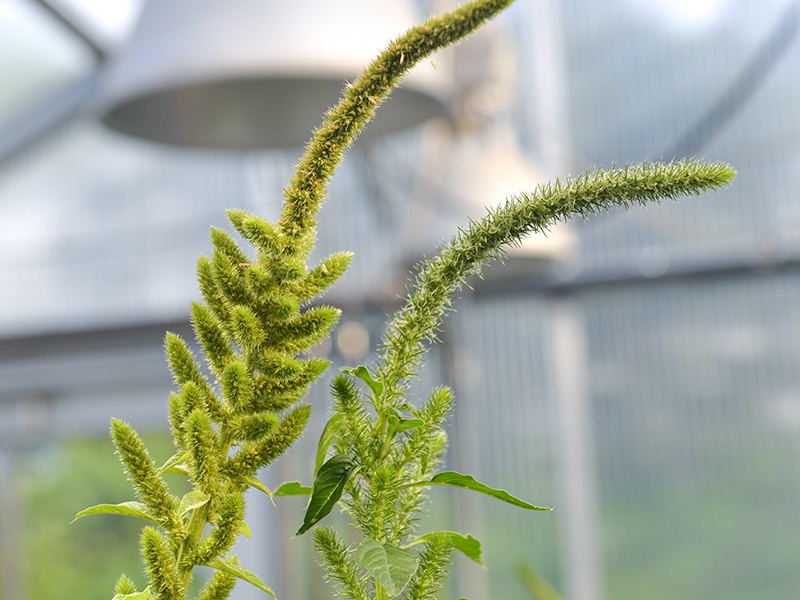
(639, 371)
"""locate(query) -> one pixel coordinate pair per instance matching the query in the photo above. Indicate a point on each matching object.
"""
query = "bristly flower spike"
(243, 410)
(256, 320)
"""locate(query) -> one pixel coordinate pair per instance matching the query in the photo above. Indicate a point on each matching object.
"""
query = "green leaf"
(242, 573)
(469, 482)
(175, 462)
(132, 509)
(391, 566)
(364, 375)
(406, 424)
(396, 423)
(192, 500)
(468, 545)
(145, 595)
(391, 411)
(326, 439)
(244, 529)
(292, 488)
(179, 469)
(256, 483)
(392, 423)
(328, 487)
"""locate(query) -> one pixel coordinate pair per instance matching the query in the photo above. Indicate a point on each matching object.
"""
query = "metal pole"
(578, 507)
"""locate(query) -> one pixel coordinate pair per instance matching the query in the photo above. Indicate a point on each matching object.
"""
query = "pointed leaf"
(175, 461)
(391, 566)
(256, 483)
(391, 411)
(242, 573)
(468, 545)
(326, 439)
(392, 422)
(244, 529)
(469, 482)
(145, 595)
(179, 469)
(132, 509)
(292, 488)
(364, 375)
(406, 424)
(328, 487)
(397, 424)
(192, 500)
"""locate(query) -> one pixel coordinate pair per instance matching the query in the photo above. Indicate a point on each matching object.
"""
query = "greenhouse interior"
(638, 371)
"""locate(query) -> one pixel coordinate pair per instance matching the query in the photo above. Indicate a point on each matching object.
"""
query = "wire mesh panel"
(504, 434)
(697, 404)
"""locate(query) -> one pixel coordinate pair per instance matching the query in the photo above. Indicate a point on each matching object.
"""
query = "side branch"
(443, 275)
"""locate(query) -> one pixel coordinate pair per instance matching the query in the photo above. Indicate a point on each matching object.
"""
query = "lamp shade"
(256, 73)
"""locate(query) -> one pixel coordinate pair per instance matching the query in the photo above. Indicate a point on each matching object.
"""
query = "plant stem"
(380, 592)
(196, 525)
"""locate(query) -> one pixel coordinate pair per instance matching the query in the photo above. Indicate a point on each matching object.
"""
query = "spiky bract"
(219, 586)
(433, 561)
(339, 564)
(124, 586)
(161, 566)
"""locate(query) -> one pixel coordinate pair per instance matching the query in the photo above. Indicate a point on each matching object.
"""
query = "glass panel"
(643, 76)
(697, 404)
(504, 433)
(108, 21)
(37, 55)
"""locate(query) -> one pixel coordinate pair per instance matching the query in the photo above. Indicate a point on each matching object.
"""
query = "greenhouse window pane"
(37, 56)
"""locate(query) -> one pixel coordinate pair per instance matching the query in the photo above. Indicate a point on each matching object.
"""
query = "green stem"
(197, 524)
(195, 531)
(382, 429)
(380, 592)
(385, 448)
